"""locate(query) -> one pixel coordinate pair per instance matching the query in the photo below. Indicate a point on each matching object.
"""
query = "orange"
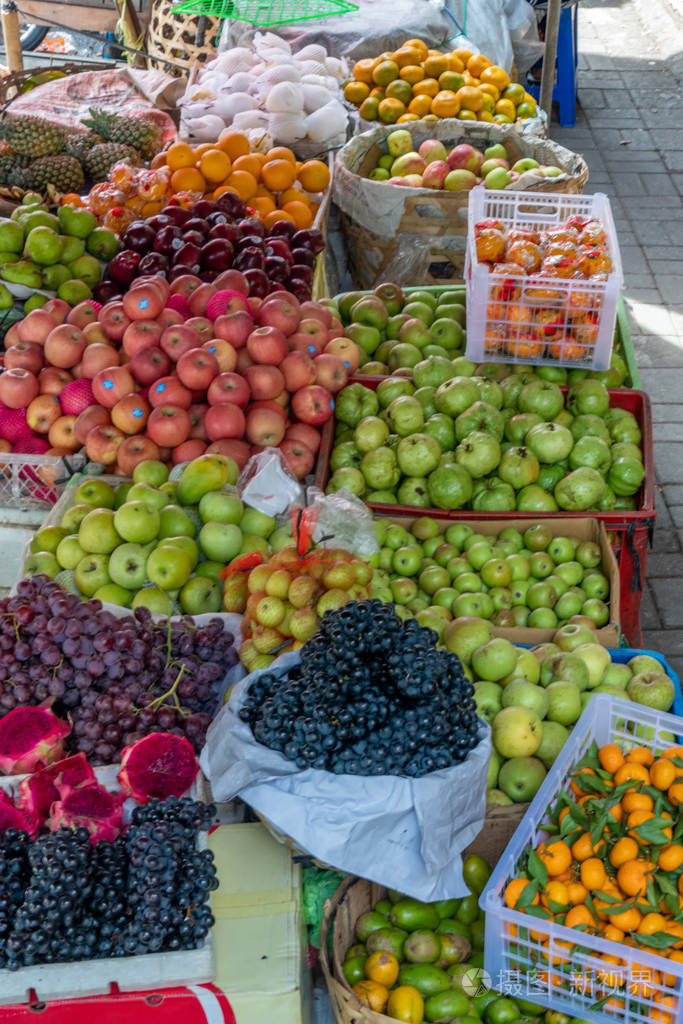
(663, 773)
(582, 848)
(278, 153)
(362, 70)
(411, 74)
(642, 980)
(435, 66)
(157, 161)
(610, 757)
(180, 155)
(455, 64)
(384, 72)
(636, 801)
(420, 105)
(673, 752)
(151, 209)
(470, 98)
(490, 90)
(514, 92)
(576, 891)
(262, 205)
(372, 994)
(593, 874)
(249, 163)
(612, 933)
(427, 87)
(419, 45)
(652, 923)
(466, 115)
(675, 793)
(356, 92)
(579, 915)
(314, 175)
(514, 890)
(670, 857)
(556, 892)
(377, 93)
(407, 117)
(617, 811)
(244, 183)
(188, 179)
(382, 967)
(215, 165)
(611, 978)
(294, 194)
(627, 921)
(368, 109)
(299, 212)
(624, 849)
(234, 144)
(277, 175)
(399, 90)
(556, 856)
(275, 216)
(451, 80)
(674, 928)
(631, 772)
(677, 957)
(477, 63)
(636, 818)
(632, 877)
(225, 188)
(445, 104)
(486, 115)
(201, 149)
(506, 107)
(640, 755)
(575, 784)
(406, 56)
(71, 199)
(494, 75)
(390, 110)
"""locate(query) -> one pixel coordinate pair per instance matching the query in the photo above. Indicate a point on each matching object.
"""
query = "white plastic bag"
(268, 484)
(404, 833)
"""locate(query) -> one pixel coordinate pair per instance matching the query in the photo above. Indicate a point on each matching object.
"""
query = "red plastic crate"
(630, 532)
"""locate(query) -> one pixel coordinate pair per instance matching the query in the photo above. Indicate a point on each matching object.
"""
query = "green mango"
(427, 979)
(411, 914)
(207, 473)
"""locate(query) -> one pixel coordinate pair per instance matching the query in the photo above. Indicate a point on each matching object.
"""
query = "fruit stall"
(326, 494)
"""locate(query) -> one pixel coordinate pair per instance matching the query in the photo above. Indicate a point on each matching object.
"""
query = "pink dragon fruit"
(13, 817)
(39, 791)
(31, 738)
(13, 424)
(159, 765)
(88, 806)
(76, 396)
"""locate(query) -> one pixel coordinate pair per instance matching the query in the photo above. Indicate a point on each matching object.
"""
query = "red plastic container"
(630, 532)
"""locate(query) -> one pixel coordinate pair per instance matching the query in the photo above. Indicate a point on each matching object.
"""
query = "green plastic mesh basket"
(265, 13)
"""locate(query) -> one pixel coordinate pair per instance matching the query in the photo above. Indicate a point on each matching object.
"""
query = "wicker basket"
(171, 39)
(14, 83)
(417, 236)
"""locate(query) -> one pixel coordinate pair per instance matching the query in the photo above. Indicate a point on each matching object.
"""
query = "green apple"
(92, 573)
(128, 566)
(95, 492)
(495, 760)
(121, 493)
(457, 534)
(495, 659)
(220, 507)
(390, 389)
(644, 663)
(281, 538)
(97, 533)
(186, 544)
(652, 689)
(463, 636)
(403, 590)
(596, 659)
(520, 778)
(175, 522)
(155, 599)
(200, 595)
(168, 566)
(152, 496)
(497, 798)
(488, 698)
(212, 570)
(256, 522)
(406, 560)
(150, 472)
(48, 539)
(220, 541)
(41, 563)
(617, 675)
(112, 593)
(372, 432)
(74, 516)
(136, 522)
(516, 732)
(253, 542)
(69, 551)
(520, 693)
(564, 702)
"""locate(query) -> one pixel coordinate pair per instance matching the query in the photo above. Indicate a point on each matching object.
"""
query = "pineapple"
(32, 136)
(80, 145)
(63, 172)
(143, 135)
(13, 166)
(103, 156)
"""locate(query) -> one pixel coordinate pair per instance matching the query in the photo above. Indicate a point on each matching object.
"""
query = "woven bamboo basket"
(417, 236)
(171, 37)
(14, 83)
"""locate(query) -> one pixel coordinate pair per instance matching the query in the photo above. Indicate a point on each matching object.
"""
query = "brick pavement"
(629, 128)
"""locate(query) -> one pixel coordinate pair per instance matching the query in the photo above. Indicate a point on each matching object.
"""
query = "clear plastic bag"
(268, 484)
(343, 521)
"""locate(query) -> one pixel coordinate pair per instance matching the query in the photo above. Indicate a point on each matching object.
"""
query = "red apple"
(12, 337)
(199, 299)
(264, 427)
(203, 326)
(102, 444)
(313, 404)
(169, 317)
(224, 420)
(134, 450)
(346, 350)
(188, 450)
(98, 357)
(265, 381)
(25, 355)
(114, 320)
(64, 346)
(185, 285)
(35, 327)
(130, 414)
(229, 387)
(143, 302)
(57, 308)
(306, 343)
(141, 334)
(280, 310)
(42, 413)
(169, 391)
(298, 370)
(231, 280)
(111, 384)
(197, 368)
(197, 413)
(18, 388)
(238, 451)
(51, 380)
(330, 372)
(267, 346)
(305, 434)
(62, 434)
(316, 311)
(94, 334)
(95, 416)
(82, 314)
(300, 458)
(223, 352)
(272, 406)
(169, 425)
(149, 364)
(234, 328)
(156, 281)
(177, 340)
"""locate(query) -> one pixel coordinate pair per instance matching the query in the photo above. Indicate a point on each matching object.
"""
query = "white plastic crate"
(35, 481)
(559, 967)
(534, 319)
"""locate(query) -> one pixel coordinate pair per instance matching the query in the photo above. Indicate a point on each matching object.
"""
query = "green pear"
(55, 275)
(102, 243)
(43, 246)
(76, 222)
(6, 298)
(86, 269)
(72, 248)
(11, 235)
(39, 219)
(74, 292)
(24, 272)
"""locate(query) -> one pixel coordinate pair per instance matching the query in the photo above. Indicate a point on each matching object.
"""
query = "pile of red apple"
(172, 370)
(213, 237)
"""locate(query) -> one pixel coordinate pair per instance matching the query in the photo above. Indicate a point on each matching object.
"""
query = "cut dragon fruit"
(12, 817)
(88, 806)
(31, 738)
(159, 765)
(39, 791)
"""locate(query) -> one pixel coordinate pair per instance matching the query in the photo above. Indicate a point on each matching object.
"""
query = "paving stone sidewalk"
(629, 128)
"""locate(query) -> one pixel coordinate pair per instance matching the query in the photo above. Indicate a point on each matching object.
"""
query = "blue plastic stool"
(564, 90)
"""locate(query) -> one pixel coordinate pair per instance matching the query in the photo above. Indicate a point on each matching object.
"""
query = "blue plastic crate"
(532, 957)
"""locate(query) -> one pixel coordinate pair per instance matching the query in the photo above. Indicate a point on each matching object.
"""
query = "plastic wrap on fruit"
(344, 521)
(267, 483)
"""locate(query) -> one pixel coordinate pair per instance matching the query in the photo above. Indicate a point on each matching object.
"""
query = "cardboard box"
(497, 832)
(259, 935)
